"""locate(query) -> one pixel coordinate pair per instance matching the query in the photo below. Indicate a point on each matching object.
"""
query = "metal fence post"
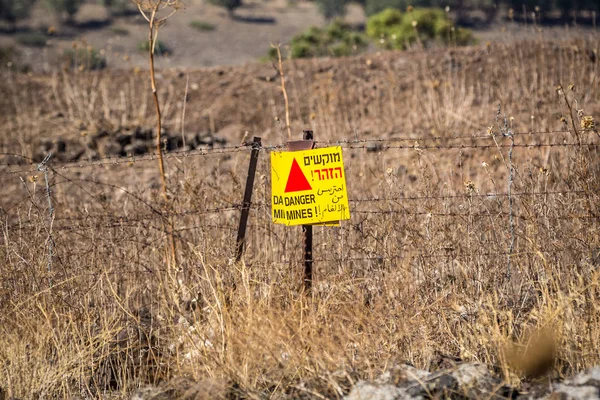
(241, 236)
(307, 277)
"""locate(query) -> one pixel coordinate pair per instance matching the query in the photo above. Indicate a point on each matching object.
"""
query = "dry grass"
(404, 281)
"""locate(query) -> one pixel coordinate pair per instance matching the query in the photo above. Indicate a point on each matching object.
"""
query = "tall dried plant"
(156, 13)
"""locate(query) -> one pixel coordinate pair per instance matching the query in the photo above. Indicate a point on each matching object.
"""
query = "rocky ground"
(405, 382)
(123, 142)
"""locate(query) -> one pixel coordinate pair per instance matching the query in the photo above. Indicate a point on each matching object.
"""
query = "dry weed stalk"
(283, 90)
(152, 11)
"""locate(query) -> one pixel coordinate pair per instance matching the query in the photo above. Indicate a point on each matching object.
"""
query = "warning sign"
(309, 187)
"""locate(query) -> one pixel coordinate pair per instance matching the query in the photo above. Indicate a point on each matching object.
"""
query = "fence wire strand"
(348, 143)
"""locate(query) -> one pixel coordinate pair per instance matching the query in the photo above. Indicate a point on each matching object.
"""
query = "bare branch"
(142, 12)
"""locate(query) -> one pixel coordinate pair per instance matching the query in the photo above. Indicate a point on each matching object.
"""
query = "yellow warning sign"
(309, 187)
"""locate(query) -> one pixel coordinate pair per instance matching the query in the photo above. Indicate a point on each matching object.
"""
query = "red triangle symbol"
(296, 181)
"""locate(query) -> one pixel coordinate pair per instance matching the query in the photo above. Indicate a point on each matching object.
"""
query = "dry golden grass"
(420, 273)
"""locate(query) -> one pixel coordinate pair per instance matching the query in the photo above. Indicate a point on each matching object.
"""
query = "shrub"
(160, 48)
(373, 7)
(6, 55)
(332, 8)
(397, 30)
(202, 26)
(229, 5)
(119, 30)
(70, 7)
(12, 11)
(117, 7)
(336, 40)
(31, 39)
(83, 58)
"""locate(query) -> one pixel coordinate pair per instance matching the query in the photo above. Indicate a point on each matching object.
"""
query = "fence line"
(133, 159)
(467, 136)
(111, 220)
(467, 196)
(475, 215)
(447, 255)
(349, 144)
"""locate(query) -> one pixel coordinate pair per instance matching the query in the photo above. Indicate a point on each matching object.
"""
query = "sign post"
(308, 188)
(307, 277)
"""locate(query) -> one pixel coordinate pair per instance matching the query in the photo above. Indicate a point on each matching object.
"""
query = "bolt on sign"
(309, 187)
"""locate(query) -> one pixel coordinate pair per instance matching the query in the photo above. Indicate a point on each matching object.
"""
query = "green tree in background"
(68, 7)
(11, 11)
(229, 5)
(332, 8)
(376, 6)
(394, 29)
(117, 7)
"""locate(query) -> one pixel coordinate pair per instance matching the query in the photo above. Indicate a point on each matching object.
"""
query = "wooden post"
(307, 277)
(241, 236)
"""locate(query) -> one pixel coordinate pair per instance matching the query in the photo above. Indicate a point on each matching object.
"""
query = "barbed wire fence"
(384, 207)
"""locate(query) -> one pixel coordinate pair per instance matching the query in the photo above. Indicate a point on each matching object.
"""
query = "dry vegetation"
(422, 273)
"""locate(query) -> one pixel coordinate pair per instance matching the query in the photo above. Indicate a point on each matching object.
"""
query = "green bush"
(70, 7)
(229, 5)
(117, 7)
(31, 39)
(119, 30)
(373, 7)
(88, 59)
(332, 8)
(336, 40)
(12, 11)
(394, 29)
(6, 55)
(202, 26)
(160, 47)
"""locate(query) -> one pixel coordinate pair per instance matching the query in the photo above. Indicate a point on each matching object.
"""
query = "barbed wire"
(349, 144)
(473, 215)
(472, 136)
(447, 254)
(123, 220)
(417, 147)
(466, 196)
(109, 220)
(117, 160)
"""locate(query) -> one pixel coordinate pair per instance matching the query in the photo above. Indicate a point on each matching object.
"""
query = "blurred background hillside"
(41, 35)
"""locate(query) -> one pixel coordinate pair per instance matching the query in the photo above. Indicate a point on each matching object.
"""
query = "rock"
(174, 143)
(374, 147)
(124, 138)
(584, 386)
(402, 375)
(60, 145)
(61, 149)
(566, 392)
(111, 149)
(136, 148)
(192, 140)
(471, 380)
(590, 377)
(372, 391)
(143, 133)
(13, 159)
(41, 148)
(186, 389)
